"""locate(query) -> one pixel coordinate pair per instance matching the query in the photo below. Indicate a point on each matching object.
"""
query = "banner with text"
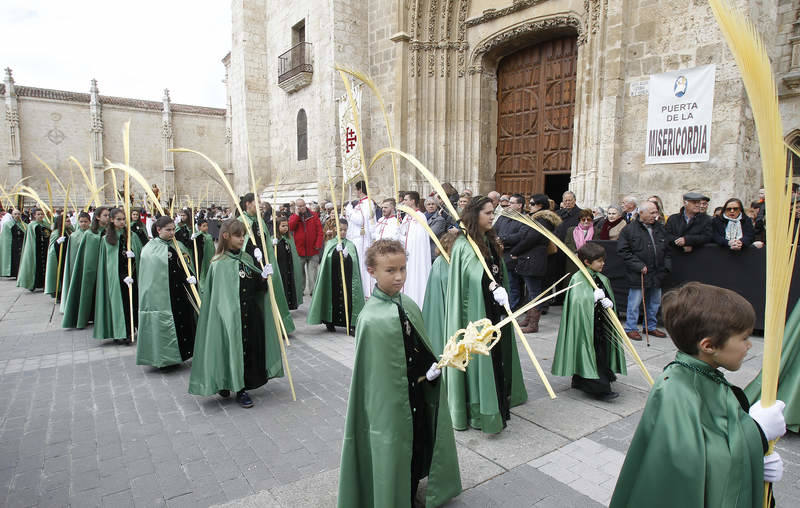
(679, 115)
(351, 155)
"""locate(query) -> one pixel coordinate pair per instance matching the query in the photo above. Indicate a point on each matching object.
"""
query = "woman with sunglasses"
(733, 229)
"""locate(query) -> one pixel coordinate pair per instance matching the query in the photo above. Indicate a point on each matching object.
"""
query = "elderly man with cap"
(690, 228)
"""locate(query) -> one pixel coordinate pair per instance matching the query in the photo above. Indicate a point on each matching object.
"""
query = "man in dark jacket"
(690, 228)
(307, 231)
(642, 245)
(511, 232)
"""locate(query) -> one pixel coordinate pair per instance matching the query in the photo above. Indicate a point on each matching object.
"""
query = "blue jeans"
(517, 287)
(652, 298)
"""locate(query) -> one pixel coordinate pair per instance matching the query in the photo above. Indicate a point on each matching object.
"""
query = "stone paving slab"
(82, 425)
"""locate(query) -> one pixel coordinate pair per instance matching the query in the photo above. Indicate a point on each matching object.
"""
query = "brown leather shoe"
(657, 333)
(634, 335)
(533, 321)
(523, 319)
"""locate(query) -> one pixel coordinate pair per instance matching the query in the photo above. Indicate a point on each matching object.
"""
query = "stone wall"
(435, 63)
(56, 125)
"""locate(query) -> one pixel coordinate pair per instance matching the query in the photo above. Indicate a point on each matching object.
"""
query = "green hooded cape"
(69, 266)
(277, 281)
(52, 272)
(26, 278)
(5, 246)
(297, 269)
(111, 315)
(218, 362)
(79, 301)
(575, 347)
(434, 304)
(321, 301)
(376, 452)
(156, 340)
(694, 446)
(789, 377)
(472, 395)
(208, 253)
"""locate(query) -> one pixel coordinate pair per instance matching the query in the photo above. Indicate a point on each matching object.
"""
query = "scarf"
(581, 236)
(733, 231)
(607, 227)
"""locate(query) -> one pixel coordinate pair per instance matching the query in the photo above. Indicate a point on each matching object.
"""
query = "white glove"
(433, 373)
(500, 295)
(258, 255)
(339, 247)
(128, 280)
(195, 235)
(191, 279)
(773, 468)
(60, 239)
(274, 241)
(129, 254)
(599, 294)
(606, 303)
(267, 271)
(770, 419)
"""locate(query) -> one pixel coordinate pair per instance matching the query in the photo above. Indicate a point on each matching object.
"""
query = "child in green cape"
(481, 397)
(433, 307)
(236, 344)
(79, 300)
(11, 240)
(587, 347)
(33, 261)
(112, 307)
(57, 256)
(137, 227)
(289, 264)
(397, 429)
(205, 248)
(699, 442)
(167, 319)
(75, 239)
(327, 300)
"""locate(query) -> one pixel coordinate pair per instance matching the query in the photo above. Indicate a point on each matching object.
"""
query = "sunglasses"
(732, 209)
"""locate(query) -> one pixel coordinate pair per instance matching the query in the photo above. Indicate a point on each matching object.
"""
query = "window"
(299, 33)
(302, 136)
(792, 158)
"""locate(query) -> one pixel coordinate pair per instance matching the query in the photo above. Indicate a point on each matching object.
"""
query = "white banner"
(679, 115)
(351, 154)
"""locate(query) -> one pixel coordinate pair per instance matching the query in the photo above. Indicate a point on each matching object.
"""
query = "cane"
(644, 312)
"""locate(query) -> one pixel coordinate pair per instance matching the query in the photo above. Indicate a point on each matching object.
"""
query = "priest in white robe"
(360, 217)
(388, 226)
(418, 248)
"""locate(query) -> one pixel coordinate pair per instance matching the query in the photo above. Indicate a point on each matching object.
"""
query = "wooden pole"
(61, 246)
(126, 130)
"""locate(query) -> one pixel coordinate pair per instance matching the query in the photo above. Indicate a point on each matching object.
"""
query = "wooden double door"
(536, 109)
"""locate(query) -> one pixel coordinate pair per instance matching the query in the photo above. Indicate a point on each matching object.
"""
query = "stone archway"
(535, 116)
(523, 171)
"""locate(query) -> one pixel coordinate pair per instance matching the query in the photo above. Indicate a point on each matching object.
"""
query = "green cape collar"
(699, 366)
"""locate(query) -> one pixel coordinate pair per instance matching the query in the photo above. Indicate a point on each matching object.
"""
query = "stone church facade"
(517, 95)
(55, 125)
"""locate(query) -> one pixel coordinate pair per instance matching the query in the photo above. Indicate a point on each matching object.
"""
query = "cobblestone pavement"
(82, 425)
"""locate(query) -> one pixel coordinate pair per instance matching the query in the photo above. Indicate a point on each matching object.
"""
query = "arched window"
(793, 158)
(302, 135)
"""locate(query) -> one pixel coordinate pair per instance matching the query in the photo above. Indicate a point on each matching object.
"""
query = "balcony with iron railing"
(295, 67)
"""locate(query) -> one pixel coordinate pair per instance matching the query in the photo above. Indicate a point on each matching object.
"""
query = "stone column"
(96, 135)
(12, 123)
(167, 157)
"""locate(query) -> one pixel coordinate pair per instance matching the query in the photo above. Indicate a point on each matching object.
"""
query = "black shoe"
(605, 397)
(224, 393)
(330, 327)
(117, 341)
(243, 399)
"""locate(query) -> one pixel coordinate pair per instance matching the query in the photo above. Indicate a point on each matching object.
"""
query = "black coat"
(510, 233)
(531, 250)
(697, 232)
(569, 218)
(637, 250)
(720, 224)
